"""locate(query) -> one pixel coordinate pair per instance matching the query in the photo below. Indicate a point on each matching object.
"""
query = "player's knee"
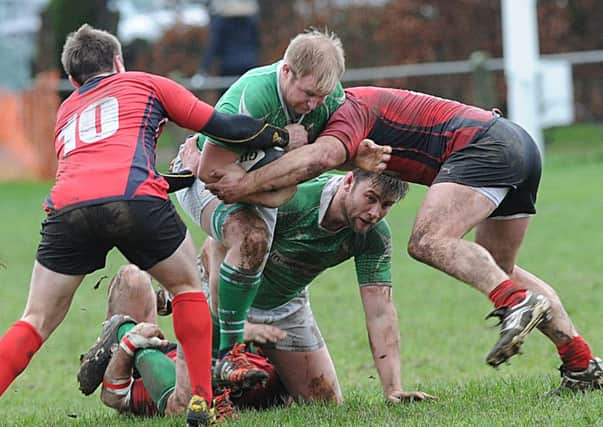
(130, 276)
(254, 245)
(176, 403)
(320, 390)
(419, 246)
(247, 234)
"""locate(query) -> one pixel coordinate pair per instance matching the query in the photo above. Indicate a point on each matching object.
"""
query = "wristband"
(120, 387)
(126, 345)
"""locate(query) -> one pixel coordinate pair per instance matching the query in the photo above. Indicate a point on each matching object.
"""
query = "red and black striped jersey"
(422, 129)
(106, 134)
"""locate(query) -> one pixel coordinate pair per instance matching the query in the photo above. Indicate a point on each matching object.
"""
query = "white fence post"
(521, 59)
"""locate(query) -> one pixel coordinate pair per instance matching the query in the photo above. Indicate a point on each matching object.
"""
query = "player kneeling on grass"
(330, 219)
(142, 373)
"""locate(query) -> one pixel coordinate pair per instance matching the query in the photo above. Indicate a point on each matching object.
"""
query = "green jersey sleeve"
(374, 259)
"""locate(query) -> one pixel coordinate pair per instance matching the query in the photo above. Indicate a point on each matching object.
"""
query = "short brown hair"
(317, 53)
(388, 184)
(88, 52)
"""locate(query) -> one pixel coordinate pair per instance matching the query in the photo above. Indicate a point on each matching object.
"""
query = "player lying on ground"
(483, 172)
(146, 375)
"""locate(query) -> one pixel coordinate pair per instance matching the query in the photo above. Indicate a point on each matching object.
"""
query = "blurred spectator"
(233, 39)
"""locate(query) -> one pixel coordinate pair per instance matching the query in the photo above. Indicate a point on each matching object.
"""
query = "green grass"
(444, 336)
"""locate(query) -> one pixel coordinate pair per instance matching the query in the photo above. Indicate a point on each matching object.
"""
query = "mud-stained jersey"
(422, 129)
(106, 134)
(257, 94)
(302, 248)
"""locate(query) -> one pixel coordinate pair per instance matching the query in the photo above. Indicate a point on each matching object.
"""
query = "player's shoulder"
(380, 236)
(308, 195)
(259, 80)
(316, 185)
(255, 93)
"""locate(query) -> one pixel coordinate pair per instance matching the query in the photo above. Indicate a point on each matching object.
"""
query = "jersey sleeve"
(181, 106)
(374, 261)
(350, 124)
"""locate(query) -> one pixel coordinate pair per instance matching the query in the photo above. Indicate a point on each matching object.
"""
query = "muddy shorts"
(505, 156)
(294, 317)
(194, 200)
(76, 241)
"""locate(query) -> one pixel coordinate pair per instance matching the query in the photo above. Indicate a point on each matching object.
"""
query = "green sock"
(158, 373)
(124, 329)
(236, 292)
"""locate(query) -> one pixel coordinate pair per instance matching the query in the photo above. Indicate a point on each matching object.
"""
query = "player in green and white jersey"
(331, 218)
(300, 93)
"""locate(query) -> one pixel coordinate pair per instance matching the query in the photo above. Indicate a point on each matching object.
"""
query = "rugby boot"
(198, 413)
(224, 408)
(94, 362)
(515, 324)
(164, 301)
(590, 378)
(235, 370)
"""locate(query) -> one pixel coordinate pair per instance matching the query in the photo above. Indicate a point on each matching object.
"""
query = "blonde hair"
(88, 52)
(317, 53)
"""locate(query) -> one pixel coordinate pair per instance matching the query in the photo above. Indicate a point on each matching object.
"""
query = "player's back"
(422, 129)
(105, 140)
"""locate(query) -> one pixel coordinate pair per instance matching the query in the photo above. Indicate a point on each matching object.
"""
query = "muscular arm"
(296, 166)
(384, 339)
(214, 156)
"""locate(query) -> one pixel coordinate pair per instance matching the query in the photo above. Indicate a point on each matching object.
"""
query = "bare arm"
(384, 338)
(118, 375)
(296, 166)
(271, 199)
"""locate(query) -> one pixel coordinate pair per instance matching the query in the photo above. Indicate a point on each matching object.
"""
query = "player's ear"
(118, 64)
(73, 82)
(348, 181)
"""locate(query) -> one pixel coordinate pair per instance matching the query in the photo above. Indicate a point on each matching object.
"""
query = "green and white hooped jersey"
(302, 249)
(257, 94)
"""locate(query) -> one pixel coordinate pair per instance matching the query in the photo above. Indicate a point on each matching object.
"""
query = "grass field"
(444, 336)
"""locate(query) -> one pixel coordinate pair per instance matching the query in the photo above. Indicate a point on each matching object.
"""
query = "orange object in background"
(27, 130)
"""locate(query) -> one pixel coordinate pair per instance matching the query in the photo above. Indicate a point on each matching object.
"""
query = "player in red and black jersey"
(483, 171)
(108, 194)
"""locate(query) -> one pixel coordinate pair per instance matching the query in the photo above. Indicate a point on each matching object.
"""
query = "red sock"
(17, 347)
(193, 328)
(507, 294)
(575, 354)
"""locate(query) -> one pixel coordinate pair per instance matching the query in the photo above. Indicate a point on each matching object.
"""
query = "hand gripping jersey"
(106, 134)
(422, 129)
(302, 248)
(257, 94)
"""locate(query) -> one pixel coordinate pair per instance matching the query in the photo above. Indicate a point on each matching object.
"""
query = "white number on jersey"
(98, 121)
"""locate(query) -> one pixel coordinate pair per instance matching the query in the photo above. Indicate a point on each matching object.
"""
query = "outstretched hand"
(228, 186)
(399, 396)
(372, 157)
